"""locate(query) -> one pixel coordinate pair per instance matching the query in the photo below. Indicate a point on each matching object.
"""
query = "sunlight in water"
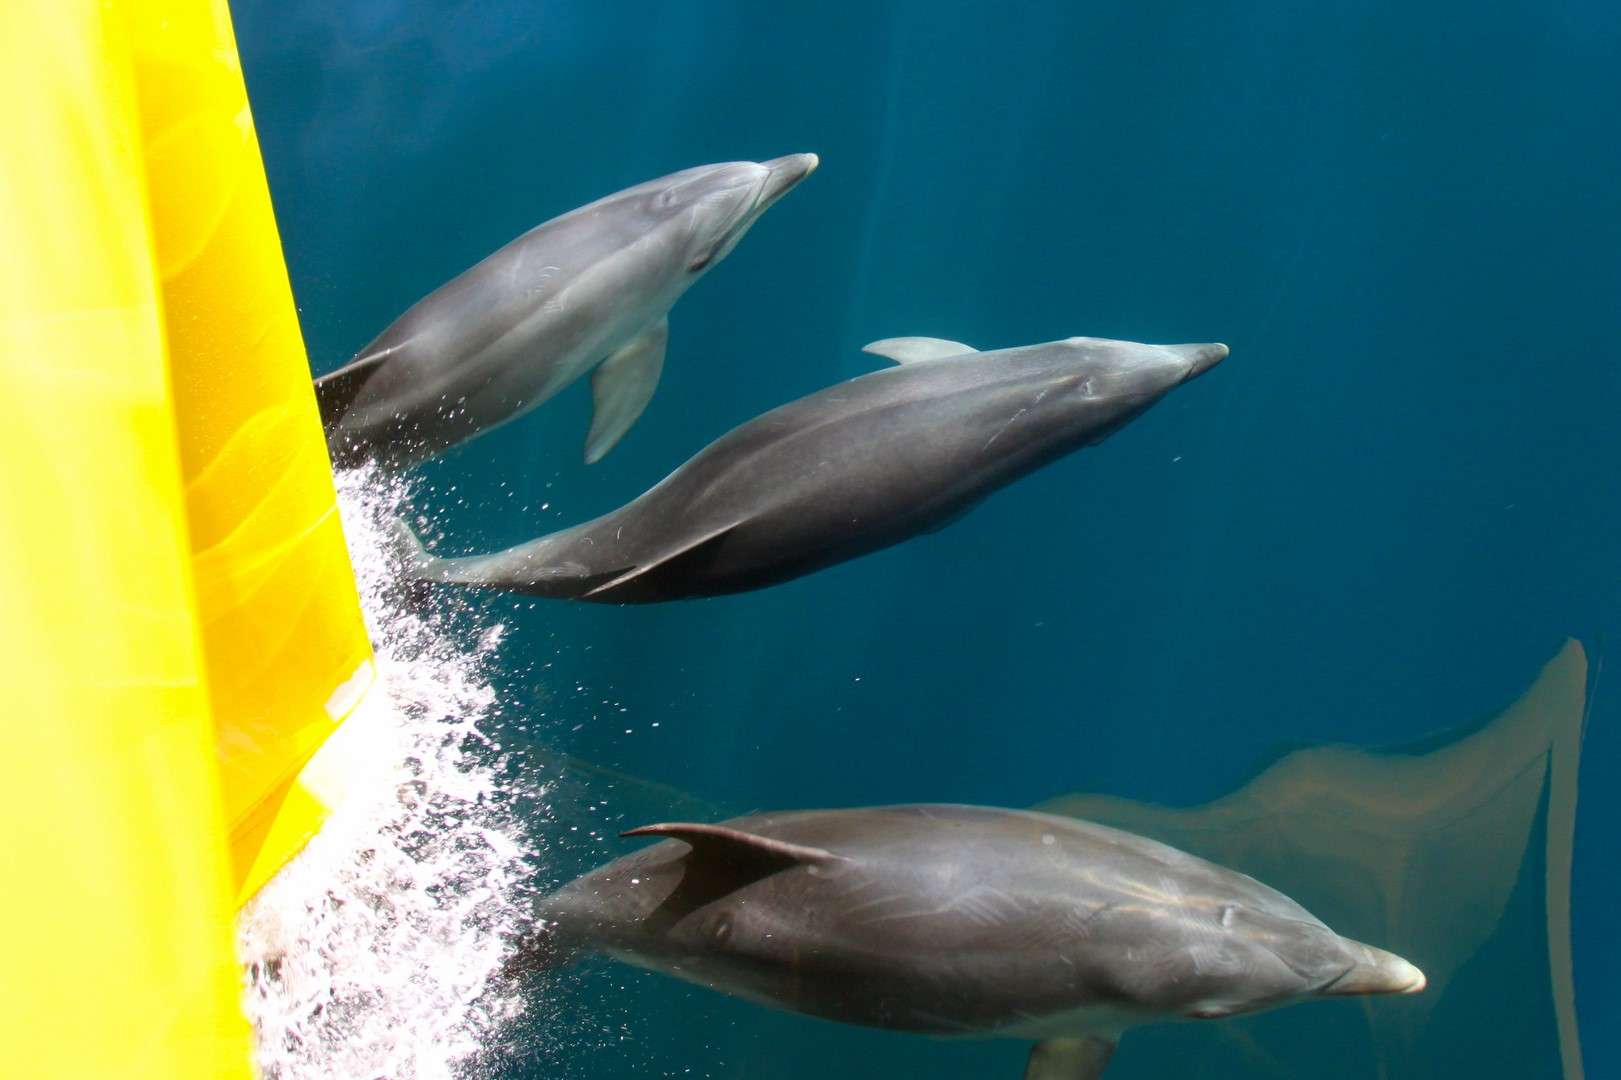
(375, 953)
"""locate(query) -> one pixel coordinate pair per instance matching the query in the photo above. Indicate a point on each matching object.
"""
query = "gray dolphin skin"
(590, 289)
(959, 921)
(849, 470)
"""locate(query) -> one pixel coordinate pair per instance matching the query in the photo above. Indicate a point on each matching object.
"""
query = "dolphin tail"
(418, 564)
(415, 565)
(422, 570)
(414, 558)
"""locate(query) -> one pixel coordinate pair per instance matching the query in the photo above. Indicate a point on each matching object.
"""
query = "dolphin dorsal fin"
(721, 841)
(335, 391)
(909, 350)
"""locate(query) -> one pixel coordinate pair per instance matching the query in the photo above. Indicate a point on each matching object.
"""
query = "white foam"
(375, 953)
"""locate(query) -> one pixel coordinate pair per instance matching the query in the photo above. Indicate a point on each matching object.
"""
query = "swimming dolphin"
(589, 289)
(854, 468)
(959, 921)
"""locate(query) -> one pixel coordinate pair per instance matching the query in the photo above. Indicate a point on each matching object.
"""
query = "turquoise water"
(1373, 524)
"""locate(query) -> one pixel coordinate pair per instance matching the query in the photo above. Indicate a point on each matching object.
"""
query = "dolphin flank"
(589, 289)
(846, 471)
(959, 921)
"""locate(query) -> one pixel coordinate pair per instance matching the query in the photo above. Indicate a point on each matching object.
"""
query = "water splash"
(376, 952)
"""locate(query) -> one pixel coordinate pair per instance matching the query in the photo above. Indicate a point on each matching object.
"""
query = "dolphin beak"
(1375, 971)
(1416, 981)
(1200, 358)
(783, 174)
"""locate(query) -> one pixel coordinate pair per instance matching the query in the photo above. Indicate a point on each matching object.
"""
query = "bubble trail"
(375, 953)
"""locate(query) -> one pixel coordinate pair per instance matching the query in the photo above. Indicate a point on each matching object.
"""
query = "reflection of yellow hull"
(180, 629)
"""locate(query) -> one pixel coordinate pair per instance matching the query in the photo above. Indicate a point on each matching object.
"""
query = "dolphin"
(844, 472)
(958, 921)
(590, 289)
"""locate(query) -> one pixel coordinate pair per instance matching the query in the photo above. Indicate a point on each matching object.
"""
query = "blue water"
(1376, 521)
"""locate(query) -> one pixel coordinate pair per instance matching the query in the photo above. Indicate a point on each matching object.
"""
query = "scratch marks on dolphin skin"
(515, 269)
(537, 282)
(1012, 419)
(1003, 428)
(1080, 922)
(1212, 958)
(1164, 891)
(877, 902)
(981, 905)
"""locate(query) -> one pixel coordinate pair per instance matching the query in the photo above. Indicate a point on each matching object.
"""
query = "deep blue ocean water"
(1373, 523)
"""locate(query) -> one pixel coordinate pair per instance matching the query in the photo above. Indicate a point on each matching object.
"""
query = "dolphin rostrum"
(848, 470)
(589, 289)
(959, 921)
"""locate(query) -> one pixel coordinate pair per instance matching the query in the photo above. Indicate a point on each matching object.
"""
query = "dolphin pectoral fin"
(336, 390)
(622, 386)
(718, 842)
(1069, 1059)
(909, 350)
(686, 551)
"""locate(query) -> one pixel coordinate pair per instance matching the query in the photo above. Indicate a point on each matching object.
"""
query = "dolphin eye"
(720, 931)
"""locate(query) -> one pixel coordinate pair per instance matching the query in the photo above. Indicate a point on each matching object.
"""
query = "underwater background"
(1372, 525)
